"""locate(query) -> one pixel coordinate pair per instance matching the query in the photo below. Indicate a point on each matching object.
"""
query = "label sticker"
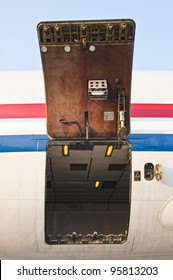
(137, 175)
(109, 116)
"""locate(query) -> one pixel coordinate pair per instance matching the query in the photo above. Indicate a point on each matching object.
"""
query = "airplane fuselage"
(86, 167)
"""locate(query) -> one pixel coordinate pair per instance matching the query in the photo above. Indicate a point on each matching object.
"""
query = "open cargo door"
(87, 68)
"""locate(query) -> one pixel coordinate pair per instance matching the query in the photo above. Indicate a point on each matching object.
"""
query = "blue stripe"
(23, 143)
(151, 142)
(38, 143)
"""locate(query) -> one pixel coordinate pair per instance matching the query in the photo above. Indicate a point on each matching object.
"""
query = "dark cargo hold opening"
(87, 197)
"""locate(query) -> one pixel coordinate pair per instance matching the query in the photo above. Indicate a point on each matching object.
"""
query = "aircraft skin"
(23, 140)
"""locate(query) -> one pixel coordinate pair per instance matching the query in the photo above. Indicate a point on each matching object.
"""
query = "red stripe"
(8, 111)
(152, 110)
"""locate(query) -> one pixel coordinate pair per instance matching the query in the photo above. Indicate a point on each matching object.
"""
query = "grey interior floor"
(74, 204)
(86, 221)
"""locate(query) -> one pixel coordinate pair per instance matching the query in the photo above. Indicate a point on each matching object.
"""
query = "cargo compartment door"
(87, 70)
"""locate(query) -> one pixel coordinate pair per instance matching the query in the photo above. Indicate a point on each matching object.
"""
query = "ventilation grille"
(97, 90)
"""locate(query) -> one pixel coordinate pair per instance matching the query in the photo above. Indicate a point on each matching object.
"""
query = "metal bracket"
(158, 172)
(121, 126)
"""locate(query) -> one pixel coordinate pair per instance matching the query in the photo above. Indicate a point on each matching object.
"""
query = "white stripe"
(152, 125)
(22, 126)
(38, 126)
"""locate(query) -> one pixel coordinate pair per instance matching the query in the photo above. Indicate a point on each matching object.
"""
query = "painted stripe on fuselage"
(23, 143)
(30, 138)
(38, 143)
(10, 111)
(23, 126)
(39, 110)
(152, 110)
